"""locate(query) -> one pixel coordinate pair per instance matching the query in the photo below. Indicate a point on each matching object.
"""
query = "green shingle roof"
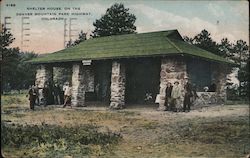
(127, 46)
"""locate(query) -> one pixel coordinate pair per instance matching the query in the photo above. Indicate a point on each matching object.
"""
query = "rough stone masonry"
(117, 100)
(82, 81)
(171, 70)
(44, 74)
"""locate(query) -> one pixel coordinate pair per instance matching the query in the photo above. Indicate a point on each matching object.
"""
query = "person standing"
(67, 95)
(36, 88)
(50, 91)
(168, 92)
(32, 97)
(45, 95)
(176, 96)
(56, 93)
(188, 94)
(65, 86)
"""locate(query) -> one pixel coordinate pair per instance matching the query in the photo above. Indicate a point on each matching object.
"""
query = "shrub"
(51, 138)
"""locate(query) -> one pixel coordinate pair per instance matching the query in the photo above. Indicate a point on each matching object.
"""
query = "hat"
(176, 82)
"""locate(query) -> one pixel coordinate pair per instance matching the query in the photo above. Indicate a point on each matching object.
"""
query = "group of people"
(51, 94)
(174, 94)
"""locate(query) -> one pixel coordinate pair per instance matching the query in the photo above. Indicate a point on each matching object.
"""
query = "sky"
(222, 19)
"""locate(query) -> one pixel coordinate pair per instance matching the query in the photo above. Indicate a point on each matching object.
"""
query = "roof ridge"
(174, 45)
(135, 33)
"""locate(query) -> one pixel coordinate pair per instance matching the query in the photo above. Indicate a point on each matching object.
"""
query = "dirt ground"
(146, 132)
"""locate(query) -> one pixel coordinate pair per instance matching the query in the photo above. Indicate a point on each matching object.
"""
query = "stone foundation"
(117, 99)
(78, 87)
(171, 70)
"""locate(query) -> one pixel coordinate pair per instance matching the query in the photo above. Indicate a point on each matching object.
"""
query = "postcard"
(143, 78)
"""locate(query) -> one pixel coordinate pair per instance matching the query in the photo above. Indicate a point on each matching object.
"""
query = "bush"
(52, 138)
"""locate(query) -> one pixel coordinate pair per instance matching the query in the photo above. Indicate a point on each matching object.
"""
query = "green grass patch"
(128, 113)
(237, 102)
(54, 141)
(150, 125)
(11, 99)
(218, 136)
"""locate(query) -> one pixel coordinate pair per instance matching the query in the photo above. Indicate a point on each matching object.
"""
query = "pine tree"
(116, 21)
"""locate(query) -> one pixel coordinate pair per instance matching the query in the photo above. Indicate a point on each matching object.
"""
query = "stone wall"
(172, 69)
(205, 98)
(82, 81)
(78, 92)
(219, 75)
(117, 99)
(44, 75)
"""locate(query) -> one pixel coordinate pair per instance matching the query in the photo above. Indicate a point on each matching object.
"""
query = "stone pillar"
(78, 88)
(44, 74)
(219, 76)
(117, 99)
(172, 69)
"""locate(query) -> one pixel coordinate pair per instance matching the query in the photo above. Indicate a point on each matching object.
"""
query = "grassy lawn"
(219, 131)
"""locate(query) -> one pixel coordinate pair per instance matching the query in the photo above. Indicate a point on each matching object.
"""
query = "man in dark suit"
(168, 92)
(32, 97)
(188, 94)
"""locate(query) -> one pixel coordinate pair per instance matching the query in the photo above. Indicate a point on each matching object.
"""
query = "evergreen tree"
(188, 39)
(116, 21)
(9, 58)
(81, 37)
(238, 53)
(70, 43)
(244, 78)
(225, 48)
(204, 41)
(17, 74)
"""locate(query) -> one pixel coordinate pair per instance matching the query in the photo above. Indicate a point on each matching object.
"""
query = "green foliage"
(204, 41)
(237, 52)
(6, 38)
(81, 38)
(116, 21)
(244, 78)
(150, 125)
(17, 73)
(225, 48)
(230, 134)
(9, 66)
(56, 139)
(14, 101)
(240, 52)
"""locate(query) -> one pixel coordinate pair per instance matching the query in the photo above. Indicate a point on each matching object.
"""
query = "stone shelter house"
(122, 69)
